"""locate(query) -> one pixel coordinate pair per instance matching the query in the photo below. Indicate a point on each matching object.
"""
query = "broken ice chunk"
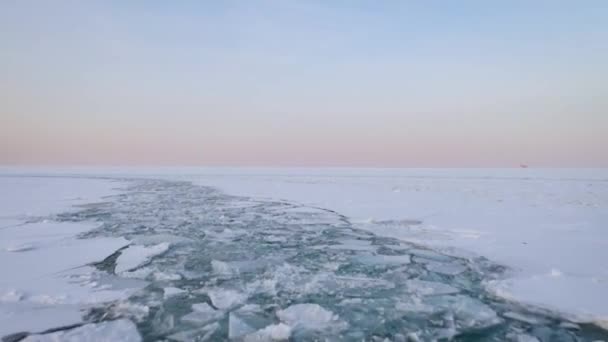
(384, 259)
(162, 276)
(524, 318)
(354, 244)
(225, 299)
(413, 304)
(428, 288)
(450, 269)
(412, 337)
(544, 333)
(309, 317)
(275, 332)
(135, 256)
(247, 308)
(203, 334)
(119, 330)
(522, 338)
(224, 268)
(172, 292)
(569, 326)
(468, 313)
(237, 326)
(11, 296)
(430, 255)
(202, 313)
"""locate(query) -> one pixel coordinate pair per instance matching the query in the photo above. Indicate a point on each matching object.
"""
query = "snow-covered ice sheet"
(24, 197)
(111, 331)
(46, 280)
(581, 299)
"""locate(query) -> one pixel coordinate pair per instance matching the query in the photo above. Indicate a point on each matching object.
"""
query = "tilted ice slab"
(31, 317)
(274, 332)
(53, 247)
(237, 327)
(111, 331)
(225, 298)
(426, 288)
(310, 317)
(169, 292)
(46, 281)
(384, 259)
(202, 313)
(51, 278)
(446, 268)
(137, 255)
(199, 334)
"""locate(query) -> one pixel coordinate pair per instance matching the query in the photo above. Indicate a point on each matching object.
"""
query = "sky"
(304, 83)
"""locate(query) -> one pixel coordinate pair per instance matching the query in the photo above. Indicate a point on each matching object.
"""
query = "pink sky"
(396, 85)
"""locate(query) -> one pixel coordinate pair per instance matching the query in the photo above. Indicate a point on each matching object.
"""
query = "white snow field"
(549, 227)
(45, 281)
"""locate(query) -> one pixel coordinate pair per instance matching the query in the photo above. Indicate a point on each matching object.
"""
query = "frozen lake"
(301, 254)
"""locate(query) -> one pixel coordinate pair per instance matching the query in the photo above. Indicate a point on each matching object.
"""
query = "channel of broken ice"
(468, 311)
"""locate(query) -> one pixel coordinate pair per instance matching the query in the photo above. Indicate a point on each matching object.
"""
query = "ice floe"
(169, 292)
(137, 255)
(111, 331)
(202, 313)
(309, 317)
(225, 298)
(274, 332)
(237, 327)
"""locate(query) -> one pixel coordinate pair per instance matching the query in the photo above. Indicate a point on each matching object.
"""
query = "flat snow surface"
(45, 279)
(367, 232)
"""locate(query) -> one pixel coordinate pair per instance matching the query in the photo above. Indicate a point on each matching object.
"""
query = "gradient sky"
(304, 83)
